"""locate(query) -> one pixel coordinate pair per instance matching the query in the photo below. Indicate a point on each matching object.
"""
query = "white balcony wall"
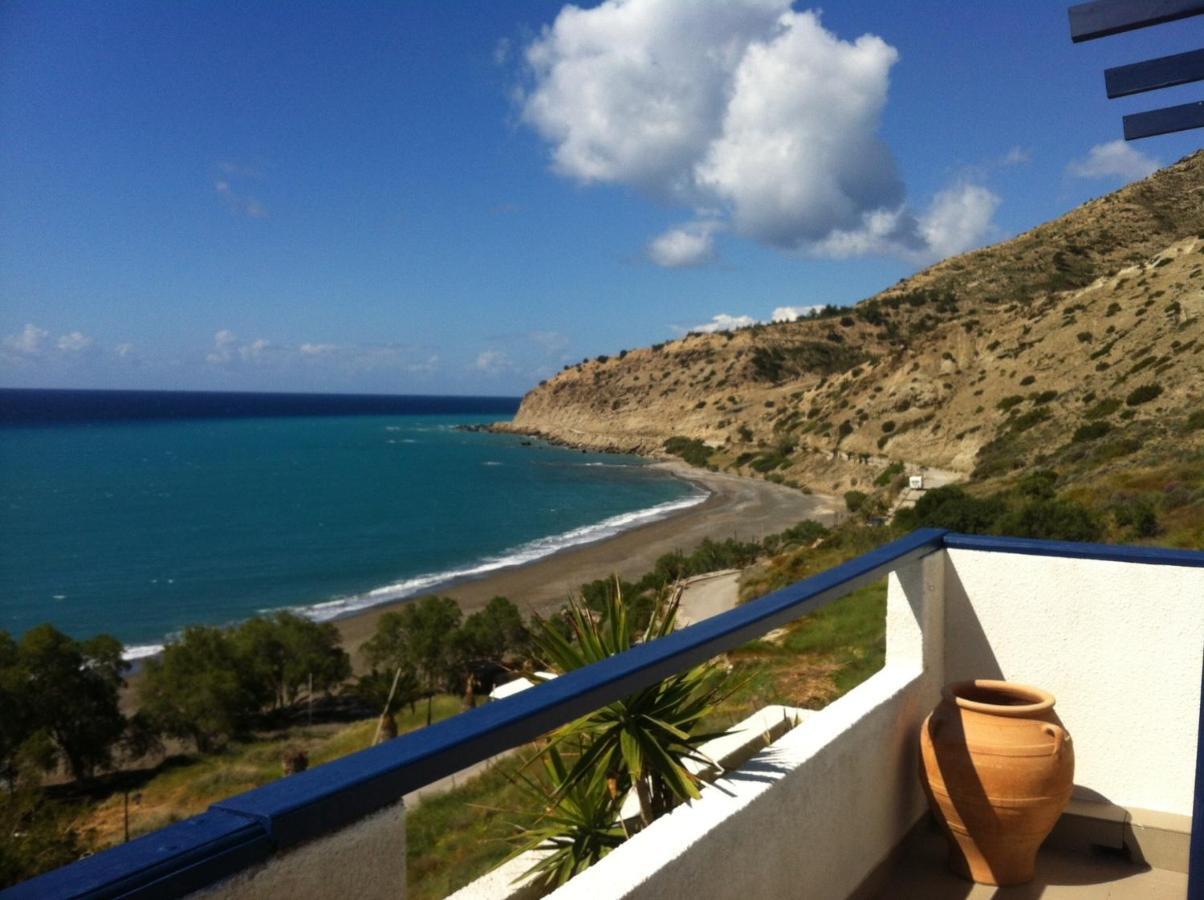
(1118, 644)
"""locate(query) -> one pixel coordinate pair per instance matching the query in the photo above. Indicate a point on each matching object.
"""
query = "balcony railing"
(247, 831)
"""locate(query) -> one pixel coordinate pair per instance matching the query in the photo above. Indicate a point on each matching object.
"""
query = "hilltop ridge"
(1079, 341)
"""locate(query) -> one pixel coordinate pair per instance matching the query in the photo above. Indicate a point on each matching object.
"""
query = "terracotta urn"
(998, 768)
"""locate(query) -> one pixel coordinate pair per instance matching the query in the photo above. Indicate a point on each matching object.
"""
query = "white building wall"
(1118, 644)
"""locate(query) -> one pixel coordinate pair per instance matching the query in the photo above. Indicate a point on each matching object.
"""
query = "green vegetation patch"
(1143, 394)
(1103, 409)
(692, 450)
(781, 363)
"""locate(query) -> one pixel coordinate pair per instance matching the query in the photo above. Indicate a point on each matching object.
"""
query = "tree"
(497, 631)
(71, 690)
(373, 689)
(951, 507)
(286, 651)
(422, 635)
(197, 689)
(16, 712)
(488, 640)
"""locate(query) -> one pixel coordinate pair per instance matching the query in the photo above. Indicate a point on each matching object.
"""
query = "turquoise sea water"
(138, 528)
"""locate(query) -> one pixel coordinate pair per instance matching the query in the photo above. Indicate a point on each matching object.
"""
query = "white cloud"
(790, 313)
(552, 343)
(32, 342)
(231, 351)
(29, 341)
(501, 51)
(1115, 160)
(692, 244)
(224, 345)
(958, 219)
(317, 349)
(1016, 156)
(724, 322)
(227, 348)
(125, 350)
(493, 362)
(747, 107)
(798, 155)
(74, 342)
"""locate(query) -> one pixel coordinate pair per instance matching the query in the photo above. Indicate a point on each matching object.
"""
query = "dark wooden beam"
(1166, 71)
(1164, 121)
(1101, 18)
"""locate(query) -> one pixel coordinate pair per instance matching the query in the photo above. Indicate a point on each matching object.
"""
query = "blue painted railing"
(249, 828)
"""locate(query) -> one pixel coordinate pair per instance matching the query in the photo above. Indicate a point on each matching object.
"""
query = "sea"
(137, 513)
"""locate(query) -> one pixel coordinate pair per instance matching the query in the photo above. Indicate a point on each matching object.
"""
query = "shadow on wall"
(962, 625)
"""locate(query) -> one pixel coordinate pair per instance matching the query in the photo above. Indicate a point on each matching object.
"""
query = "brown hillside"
(987, 362)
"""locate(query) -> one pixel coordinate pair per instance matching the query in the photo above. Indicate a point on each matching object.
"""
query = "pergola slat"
(1101, 18)
(1166, 71)
(1164, 121)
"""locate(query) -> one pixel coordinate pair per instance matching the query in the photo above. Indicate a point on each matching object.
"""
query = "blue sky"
(462, 197)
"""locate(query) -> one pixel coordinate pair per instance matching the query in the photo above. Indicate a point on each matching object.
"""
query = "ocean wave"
(517, 556)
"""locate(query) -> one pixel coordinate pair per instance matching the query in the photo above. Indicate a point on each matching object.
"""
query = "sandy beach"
(738, 507)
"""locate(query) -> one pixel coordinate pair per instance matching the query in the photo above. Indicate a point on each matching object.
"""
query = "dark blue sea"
(137, 513)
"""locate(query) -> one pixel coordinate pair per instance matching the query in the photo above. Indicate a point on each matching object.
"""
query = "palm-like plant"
(576, 828)
(643, 740)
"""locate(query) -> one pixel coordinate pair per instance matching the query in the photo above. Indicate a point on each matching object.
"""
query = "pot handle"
(1058, 734)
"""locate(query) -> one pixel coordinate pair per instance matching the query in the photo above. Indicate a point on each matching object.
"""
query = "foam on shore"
(517, 556)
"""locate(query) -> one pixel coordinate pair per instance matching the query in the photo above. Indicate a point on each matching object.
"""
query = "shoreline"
(736, 506)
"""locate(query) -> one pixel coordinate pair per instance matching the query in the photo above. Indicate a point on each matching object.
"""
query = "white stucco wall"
(364, 861)
(1118, 644)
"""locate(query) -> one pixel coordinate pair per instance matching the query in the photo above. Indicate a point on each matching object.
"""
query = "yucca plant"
(645, 739)
(579, 823)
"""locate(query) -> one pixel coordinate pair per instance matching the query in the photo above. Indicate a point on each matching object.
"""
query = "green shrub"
(1143, 394)
(1090, 432)
(1195, 421)
(1044, 397)
(951, 507)
(1138, 514)
(692, 450)
(1027, 380)
(855, 500)
(1008, 402)
(1103, 408)
(1027, 420)
(1048, 519)
(777, 364)
(1038, 484)
(769, 461)
(885, 476)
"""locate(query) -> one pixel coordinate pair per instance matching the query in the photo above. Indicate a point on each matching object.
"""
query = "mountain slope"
(1081, 340)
